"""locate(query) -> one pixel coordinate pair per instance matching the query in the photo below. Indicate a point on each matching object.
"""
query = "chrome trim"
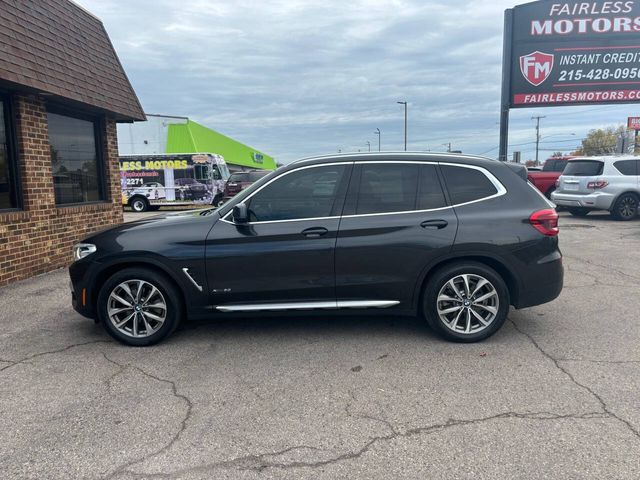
(501, 190)
(186, 272)
(368, 304)
(276, 307)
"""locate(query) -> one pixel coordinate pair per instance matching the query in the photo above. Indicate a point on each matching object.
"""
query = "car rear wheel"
(139, 204)
(626, 207)
(139, 307)
(466, 302)
(579, 211)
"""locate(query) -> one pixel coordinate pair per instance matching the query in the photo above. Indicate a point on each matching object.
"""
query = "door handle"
(315, 232)
(435, 224)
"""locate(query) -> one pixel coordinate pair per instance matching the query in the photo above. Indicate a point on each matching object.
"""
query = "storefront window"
(77, 171)
(8, 187)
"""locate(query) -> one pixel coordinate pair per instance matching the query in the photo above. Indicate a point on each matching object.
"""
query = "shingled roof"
(57, 47)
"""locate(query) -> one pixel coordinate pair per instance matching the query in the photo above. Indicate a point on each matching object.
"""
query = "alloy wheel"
(468, 304)
(628, 207)
(136, 308)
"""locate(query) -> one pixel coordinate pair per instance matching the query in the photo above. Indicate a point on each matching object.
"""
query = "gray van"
(600, 183)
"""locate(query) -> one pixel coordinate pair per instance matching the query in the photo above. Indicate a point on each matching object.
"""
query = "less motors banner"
(574, 53)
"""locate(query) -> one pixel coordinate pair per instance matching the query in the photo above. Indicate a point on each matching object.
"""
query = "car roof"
(607, 158)
(397, 156)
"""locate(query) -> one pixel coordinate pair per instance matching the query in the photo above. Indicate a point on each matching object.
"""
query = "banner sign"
(573, 53)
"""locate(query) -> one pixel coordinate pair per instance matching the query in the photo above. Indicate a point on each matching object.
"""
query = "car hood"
(156, 234)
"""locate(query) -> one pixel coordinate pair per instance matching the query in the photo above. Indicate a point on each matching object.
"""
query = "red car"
(240, 180)
(545, 180)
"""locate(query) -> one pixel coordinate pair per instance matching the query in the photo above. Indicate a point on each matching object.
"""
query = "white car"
(600, 183)
(152, 191)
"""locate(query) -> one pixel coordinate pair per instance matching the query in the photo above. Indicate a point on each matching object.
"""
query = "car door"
(396, 222)
(284, 257)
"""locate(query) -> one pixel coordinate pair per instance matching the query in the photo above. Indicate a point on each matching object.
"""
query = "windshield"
(239, 177)
(584, 168)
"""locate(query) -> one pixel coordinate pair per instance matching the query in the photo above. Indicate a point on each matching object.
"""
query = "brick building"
(62, 92)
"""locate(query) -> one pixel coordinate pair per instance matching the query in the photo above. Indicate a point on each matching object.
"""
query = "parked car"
(600, 183)
(545, 180)
(455, 238)
(240, 180)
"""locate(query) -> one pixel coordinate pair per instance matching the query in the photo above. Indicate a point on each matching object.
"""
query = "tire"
(625, 208)
(494, 310)
(217, 201)
(134, 331)
(139, 204)
(579, 211)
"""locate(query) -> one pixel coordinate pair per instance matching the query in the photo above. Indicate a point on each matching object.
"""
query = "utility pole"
(537, 119)
(379, 133)
(369, 145)
(448, 145)
(405, 123)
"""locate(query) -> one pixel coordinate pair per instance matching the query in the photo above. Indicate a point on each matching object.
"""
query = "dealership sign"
(634, 123)
(572, 53)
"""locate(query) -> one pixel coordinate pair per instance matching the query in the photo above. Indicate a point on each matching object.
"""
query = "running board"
(278, 307)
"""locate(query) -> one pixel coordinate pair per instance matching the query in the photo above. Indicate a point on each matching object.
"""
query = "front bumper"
(596, 200)
(80, 282)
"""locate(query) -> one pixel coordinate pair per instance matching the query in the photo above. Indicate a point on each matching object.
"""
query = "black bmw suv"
(454, 238)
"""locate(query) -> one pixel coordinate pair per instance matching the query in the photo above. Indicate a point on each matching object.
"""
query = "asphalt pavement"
(555, 394)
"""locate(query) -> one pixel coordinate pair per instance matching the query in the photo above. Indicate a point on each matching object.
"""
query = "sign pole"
(505, 103)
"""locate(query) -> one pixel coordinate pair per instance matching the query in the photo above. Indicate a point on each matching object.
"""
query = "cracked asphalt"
(555, 394)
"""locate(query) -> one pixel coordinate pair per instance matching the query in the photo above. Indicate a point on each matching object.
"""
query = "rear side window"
(627, 167)
(255, 176)
(467, 185)
(239, 177)
(430, 194)
(386, 188)
(584, 168)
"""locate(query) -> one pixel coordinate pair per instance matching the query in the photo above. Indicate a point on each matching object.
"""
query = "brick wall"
(39, 238)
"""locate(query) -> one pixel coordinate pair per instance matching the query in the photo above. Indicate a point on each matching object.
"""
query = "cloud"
(297, 78)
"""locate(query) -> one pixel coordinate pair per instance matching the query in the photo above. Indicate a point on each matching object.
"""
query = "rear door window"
(584, 168)
(627, 167)
(467, 184)
(387, 188)
(430, 194)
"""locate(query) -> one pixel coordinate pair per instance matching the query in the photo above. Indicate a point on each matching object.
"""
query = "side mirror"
(240, 214)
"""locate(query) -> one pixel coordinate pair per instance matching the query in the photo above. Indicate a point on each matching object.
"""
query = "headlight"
(83, 250)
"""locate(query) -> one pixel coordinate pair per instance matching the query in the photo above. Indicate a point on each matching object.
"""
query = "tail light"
(546, 222)
(597, 185)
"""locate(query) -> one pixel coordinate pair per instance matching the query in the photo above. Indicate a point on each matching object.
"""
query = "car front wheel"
(139, 307)
(466, 302)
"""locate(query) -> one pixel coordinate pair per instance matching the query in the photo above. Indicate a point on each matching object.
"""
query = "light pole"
(448, 145)
(537, 119)
(369, 145)
(405, 123)
(379, 133)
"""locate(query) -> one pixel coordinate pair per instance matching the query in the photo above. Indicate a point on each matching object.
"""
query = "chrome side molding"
(277, 307)
(186, 272)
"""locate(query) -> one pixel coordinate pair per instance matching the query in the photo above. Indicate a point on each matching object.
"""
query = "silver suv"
(600, 183)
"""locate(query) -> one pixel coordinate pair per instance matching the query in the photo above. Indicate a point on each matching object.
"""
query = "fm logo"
(536, 67)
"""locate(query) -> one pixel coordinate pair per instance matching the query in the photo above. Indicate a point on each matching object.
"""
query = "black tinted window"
(255, 176)
(584, 168)
(77, 174)
(7, 182)
(627, 167)
(430, 193)
(308, 193)
(466, 184)
(555, 166)
(239, 177)
(386, 188)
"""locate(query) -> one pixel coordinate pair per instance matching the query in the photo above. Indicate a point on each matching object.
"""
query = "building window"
(8, 183)
(78, 174)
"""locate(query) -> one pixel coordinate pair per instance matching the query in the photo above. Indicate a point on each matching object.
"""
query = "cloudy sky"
(295, 78)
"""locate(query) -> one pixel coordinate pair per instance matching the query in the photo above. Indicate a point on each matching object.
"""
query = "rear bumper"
(543, 284)
(596, 200)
